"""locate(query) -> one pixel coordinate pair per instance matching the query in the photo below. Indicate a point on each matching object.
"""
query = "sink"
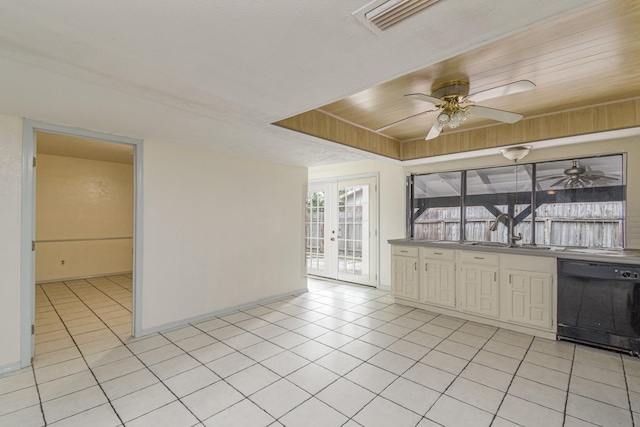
(490, 244)
(537, 248)
(452, 242)
(506, 245)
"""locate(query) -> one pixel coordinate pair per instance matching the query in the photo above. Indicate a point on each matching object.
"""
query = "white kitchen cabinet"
(405, 279)
(506, 290)
(529, 291)
(437, 277)
(479, 286)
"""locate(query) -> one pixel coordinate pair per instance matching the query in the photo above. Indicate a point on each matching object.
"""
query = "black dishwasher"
(599, 304)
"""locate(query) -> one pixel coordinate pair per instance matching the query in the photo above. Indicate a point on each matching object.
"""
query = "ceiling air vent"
(382, 14)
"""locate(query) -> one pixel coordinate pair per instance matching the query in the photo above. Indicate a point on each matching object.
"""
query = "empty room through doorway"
(84, 235)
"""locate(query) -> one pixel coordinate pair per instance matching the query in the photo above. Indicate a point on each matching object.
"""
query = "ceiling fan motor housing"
(575, 169)
(458, 89)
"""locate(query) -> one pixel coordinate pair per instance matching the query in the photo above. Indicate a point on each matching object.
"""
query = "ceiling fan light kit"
(450, 97)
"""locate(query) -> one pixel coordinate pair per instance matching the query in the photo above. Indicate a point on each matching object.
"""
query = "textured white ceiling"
(215, 74)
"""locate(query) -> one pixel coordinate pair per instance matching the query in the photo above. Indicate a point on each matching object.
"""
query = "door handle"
(333, 239)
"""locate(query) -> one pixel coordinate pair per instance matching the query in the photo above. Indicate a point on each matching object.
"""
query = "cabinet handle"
(415, 266)
(404, 252)
(495, 276)
(478, 257)
(437, 253)
(510, 279)
(425, 266)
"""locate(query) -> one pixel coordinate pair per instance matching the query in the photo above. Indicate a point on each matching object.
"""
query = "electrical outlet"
(62, 262)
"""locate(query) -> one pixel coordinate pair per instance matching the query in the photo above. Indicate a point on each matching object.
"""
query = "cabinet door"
(479, 290)
(529, 298)
(405, 277)
(437, 283)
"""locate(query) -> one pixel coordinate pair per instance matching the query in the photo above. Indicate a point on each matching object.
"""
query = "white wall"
(219, 231)
(392, 201)
(10, 195)
(84, 217)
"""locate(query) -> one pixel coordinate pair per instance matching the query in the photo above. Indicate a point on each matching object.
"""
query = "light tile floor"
(338, 355)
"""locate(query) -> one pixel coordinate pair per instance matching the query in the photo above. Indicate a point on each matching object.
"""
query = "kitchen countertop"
(583, 254)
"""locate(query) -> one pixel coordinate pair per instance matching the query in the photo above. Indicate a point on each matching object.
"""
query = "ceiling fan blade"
(434, 132)
(426, 98)
(598, 175)
(492, 113)
(402, 120)
(549, 178)
(555, 184)
(508, 89)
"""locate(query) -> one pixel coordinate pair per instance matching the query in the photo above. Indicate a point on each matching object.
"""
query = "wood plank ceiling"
(588, 62)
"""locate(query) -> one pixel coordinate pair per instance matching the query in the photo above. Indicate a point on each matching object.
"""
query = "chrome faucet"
(512, 238)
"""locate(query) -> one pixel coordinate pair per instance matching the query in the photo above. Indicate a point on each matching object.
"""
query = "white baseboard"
(217, 313)
(10, 367)
(42, 282)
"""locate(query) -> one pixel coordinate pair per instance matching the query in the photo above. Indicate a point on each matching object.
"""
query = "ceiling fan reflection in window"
(455, 105)
(580, 177)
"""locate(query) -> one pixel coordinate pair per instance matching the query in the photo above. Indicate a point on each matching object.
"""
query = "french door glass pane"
(314, 230)
(353, 219)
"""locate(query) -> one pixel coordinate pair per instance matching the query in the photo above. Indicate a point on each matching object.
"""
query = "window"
(436, 206)
(493, 191)
(581, 202)
(576, 202)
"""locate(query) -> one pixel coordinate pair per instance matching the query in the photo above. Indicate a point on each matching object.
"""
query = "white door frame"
(376, 224)
(28, 227)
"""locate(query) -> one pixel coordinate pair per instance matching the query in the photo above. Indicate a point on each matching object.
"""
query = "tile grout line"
(33, 371)
(566, 401)
(460, 373)
(285, 349)
(506, 392)
(83, 358)
(107, 295)
(414, 364)
(626, 383)
(134, 355)
(418, 361)
(338, 312)
(281, 377)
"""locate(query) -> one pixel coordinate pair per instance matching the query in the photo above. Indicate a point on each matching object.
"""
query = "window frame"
(533, 201)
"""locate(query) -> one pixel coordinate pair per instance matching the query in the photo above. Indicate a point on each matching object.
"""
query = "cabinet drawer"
(405, 251)
(438, 253)
(485, 258)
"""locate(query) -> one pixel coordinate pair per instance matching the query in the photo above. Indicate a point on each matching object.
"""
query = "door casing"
(28, 227)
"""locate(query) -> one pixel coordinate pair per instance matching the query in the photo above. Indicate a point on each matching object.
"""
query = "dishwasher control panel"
(626, 273)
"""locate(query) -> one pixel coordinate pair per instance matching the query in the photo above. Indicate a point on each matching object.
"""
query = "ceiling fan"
(579, 177)
(455, 105)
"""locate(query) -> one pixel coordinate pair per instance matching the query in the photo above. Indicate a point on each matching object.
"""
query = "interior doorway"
(81, 219)
(84, 208)
(341, 238)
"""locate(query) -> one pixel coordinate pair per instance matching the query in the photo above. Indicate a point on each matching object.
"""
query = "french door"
(341, 235)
